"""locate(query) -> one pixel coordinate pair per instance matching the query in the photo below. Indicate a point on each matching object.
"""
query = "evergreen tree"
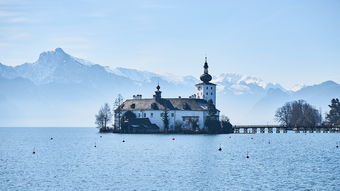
(166, 120)
(226, 126)
(333, 117)
(211, 122)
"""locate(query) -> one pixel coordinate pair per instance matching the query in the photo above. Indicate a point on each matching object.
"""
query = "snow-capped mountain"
(66, 91)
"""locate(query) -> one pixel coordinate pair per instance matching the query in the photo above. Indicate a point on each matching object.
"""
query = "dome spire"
(206, 66)
(158, 93)
(206, 77)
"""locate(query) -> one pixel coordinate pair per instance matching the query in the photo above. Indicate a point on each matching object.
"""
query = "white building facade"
(186, 113)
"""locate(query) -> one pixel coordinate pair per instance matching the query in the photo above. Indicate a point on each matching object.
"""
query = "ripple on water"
(156, 162)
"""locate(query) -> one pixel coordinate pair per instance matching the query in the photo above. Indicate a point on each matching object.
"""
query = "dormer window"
(133, 106)
(154, 106)
(186, 106)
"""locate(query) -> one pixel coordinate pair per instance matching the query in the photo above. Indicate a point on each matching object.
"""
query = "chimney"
(138, 96)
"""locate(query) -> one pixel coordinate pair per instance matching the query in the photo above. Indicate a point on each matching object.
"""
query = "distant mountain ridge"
(66, 91)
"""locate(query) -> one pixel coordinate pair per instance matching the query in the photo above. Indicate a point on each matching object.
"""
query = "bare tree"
(283, 115)
(103, 117)
(178, 126)
(298, 114)
(194, 125)
(117, 110)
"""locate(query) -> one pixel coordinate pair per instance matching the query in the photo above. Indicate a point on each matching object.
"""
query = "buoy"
(100, 136)
(173, 139)
(247, 155)
(95, 145)
(337, 146)
(220, 149)
(51, 138)
(251, 138)
(230, 137)
(33, 151)
(269, 142)
(123, 141)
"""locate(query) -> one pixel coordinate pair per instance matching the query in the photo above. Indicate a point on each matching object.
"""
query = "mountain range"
(61, 90)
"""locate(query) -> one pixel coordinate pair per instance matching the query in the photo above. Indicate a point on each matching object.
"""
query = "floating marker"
(247, 155)
(173, 139)
(100, 136)
(123, 141)
(220, 149)
(95, 145)
(33, 151)
(51, 138)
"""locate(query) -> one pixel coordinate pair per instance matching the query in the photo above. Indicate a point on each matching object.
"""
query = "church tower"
(205, 89)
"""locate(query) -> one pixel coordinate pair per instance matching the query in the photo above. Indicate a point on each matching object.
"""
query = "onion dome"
(206, 77)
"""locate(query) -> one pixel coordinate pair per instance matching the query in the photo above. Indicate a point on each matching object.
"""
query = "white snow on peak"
(297, 87)
(82, 61)
(253, 80)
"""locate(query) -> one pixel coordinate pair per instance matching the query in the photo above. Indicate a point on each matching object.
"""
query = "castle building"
(148, 115)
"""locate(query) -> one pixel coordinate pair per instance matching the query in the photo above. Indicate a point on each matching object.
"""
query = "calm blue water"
(155, 162)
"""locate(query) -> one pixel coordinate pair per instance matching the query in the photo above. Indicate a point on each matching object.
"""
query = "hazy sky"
(284, 41)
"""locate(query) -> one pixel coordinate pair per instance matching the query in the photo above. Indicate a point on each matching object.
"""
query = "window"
(211, 88)
(207, 87)
(138, 115)
(144, 115)
(172, 114)
(211, 93)
(207, 93)
(151, 114)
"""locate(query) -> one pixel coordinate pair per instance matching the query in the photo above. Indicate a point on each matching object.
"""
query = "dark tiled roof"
(142, 123)
(170, 103)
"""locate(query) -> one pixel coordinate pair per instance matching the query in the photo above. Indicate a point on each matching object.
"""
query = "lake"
(156, 162)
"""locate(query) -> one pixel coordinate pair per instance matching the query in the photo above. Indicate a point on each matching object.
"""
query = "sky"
(288, 42)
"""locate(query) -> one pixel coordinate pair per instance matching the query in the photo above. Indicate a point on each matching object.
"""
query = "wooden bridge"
(252, 129)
